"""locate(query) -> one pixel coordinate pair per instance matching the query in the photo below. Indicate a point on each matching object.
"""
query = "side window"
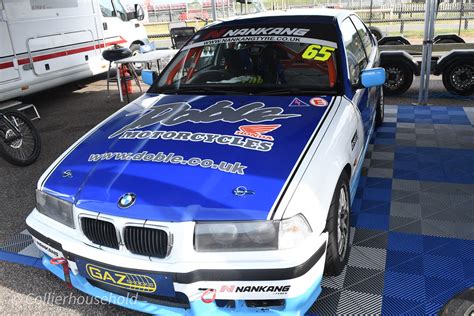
(120, 10)
(364, 34)
(107, 8)
(356, 58)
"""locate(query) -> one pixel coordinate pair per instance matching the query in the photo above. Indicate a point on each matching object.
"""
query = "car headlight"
(251, 235)
(55, 208)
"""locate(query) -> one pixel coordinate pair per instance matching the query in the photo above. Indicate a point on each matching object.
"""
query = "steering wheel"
(210, 75)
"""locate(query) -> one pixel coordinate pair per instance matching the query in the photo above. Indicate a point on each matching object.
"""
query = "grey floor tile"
(364, 280)
(405, 225)
(406, 185)
(406, 142)
(372, 304)
(405, 125)
(380, 173)
(327, 303)
(426, 143)
(409, 210)
(370, 238)
(424, 131)
(348, 305)
(367, 257)
(377, 163)
(448, 229)
(407, 136)
(383, 155)
(335, 282)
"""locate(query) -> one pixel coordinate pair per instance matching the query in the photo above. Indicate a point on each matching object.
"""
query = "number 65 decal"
(318, 52)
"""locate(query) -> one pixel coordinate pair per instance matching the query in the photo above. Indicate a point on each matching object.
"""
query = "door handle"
(105, 26)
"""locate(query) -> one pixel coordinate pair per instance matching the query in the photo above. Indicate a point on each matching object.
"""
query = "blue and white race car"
(226, 188)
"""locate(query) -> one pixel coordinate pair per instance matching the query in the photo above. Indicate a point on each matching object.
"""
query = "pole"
(214, 13)
(430, 18)
(371, 7)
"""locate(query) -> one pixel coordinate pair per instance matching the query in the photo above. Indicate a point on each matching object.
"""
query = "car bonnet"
(191, 157)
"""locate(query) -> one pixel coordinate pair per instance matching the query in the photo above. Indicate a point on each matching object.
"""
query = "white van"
(46, 43)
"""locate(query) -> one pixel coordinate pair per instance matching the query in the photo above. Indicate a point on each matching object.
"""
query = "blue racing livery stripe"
(218, 143)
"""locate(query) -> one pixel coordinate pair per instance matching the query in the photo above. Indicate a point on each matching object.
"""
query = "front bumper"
(303, 279)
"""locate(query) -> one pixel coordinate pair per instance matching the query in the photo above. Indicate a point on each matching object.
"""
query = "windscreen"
(266, 58)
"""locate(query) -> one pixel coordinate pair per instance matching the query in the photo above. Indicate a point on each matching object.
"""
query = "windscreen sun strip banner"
(294, 33)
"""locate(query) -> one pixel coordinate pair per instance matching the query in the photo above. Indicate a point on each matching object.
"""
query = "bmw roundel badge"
(127, 200)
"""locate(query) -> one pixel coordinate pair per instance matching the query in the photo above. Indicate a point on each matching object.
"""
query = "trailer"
(452, 58)
(46, 43)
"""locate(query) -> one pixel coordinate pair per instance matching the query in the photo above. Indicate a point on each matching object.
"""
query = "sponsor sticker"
(171, 158)
(318, 52)
(222, 111)
(124, 280)
(209, 295)
(275, 289)
(298, 103)
(257, 131)
(210, 138)
(318, 102)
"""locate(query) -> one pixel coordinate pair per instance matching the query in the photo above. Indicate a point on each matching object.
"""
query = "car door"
(370, 47)
(356, 62)
(113, 18)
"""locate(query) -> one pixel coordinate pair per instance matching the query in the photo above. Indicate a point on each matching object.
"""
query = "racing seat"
(236, 62)
(270, 67)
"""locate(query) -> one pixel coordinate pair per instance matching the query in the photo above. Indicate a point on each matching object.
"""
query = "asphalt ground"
(67, 113)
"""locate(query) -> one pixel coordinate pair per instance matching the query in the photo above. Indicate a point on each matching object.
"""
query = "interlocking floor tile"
(413, 215)
(370, 238)
(404, 262)
(405, 225)
(405, 286)
(367, 257)
(364, 280)
(403, 209)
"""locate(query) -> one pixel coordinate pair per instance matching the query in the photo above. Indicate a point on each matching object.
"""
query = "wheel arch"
(139, 42)
(348, 170)
(312, 195)
(452, 57)
(400, 57)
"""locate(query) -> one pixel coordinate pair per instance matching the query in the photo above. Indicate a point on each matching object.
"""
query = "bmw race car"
(226, 188)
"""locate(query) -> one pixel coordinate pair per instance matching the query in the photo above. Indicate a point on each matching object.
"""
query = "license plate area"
(129, 280)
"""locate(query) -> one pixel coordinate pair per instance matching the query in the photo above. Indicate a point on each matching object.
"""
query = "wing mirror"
(148, 76)
(139, 12)
(372, 77)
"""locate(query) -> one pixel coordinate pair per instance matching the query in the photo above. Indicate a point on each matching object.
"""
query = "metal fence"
(396, 16)
(190, 11)
(392, 17)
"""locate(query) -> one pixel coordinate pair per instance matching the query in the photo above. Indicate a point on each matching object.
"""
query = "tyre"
(399, 77)
(113, 54)
(458, 78)
(135, 49)
(25, 150)
(338, 227)
(379, 110)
